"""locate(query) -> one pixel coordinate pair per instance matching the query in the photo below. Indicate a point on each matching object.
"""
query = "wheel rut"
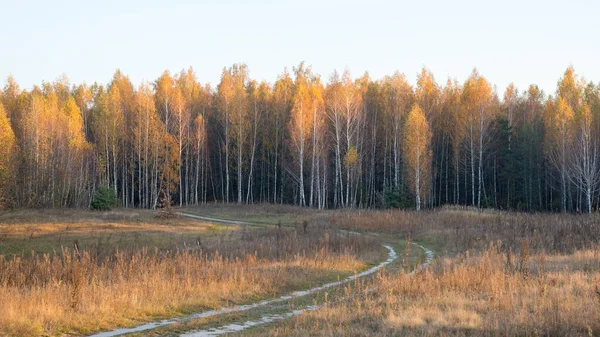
(264, 319)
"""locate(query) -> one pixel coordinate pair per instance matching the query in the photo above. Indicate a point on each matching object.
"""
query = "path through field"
(270, 303)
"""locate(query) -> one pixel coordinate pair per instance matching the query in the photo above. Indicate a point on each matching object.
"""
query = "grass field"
(483, 295)
(65, 272)
(48, 231)
(500, 274)
(73, 272)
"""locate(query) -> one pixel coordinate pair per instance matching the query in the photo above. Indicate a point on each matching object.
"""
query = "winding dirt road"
(264, 319)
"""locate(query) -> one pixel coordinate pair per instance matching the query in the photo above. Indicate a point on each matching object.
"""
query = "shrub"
(104, 199)
(397, 198)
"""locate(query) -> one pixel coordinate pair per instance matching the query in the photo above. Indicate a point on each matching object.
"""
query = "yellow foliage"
(416, 148)
(8, 148)
(351, 158)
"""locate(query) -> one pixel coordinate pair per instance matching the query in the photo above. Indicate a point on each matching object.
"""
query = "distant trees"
(344, 142)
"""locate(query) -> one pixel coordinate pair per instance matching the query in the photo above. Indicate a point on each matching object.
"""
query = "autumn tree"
(584, 169)
(371, 133)
(76, 155)
(455, 123)
(200, 147)
(397, 99)
(353, 116)
(165, 88)
(300, 124)
(8, 152)
(416, 148)
(259, 95)
(84, 98)
(225, 105)
(182, 123)
(189, 102)
(282, 100)
(559, 116)
(240, 120)
(318, 159)
(344, 143)
(559, 119)
(145, 119)
(477, 102)
(428, 96)
(511, 100)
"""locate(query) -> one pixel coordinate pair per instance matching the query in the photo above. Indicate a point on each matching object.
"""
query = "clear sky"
(508, 41)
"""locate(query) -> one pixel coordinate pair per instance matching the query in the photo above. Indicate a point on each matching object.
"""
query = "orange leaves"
(8, 148)
(428, 94)
(564, 115)
(477, 94)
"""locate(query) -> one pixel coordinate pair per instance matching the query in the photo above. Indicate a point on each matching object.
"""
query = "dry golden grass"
(497, 273)
(455, 230)
(483, 295)
(265, 213)
(48, 231)
(74, 291)
(26, 223)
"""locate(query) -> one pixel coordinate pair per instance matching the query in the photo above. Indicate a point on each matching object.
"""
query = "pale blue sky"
(520, 41)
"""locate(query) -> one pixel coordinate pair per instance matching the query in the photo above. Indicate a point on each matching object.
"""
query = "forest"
(340, 142)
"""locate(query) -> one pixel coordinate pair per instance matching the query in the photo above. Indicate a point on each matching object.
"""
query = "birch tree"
(476, 98)
(282, 105)
(300, 126)
(511, 96)
(559, 116)
(240, 120)
(224, 98)
(397, 100)
(455, 123)
(416, 148)
(584, 169)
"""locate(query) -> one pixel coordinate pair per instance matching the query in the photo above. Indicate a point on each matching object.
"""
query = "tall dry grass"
(74, 292)
(490, 294)
(455, 230)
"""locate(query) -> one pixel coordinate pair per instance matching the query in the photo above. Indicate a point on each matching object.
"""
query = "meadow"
(75, 272)
(497, 274)
(71, 273)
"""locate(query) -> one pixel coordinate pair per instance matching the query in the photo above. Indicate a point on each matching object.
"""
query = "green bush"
(104, 199)
(397, 198)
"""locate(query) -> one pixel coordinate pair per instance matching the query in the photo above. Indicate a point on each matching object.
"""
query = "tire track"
(271, 318)
(392, 256)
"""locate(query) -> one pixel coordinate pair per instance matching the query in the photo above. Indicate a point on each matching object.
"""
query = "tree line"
(343, 142)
